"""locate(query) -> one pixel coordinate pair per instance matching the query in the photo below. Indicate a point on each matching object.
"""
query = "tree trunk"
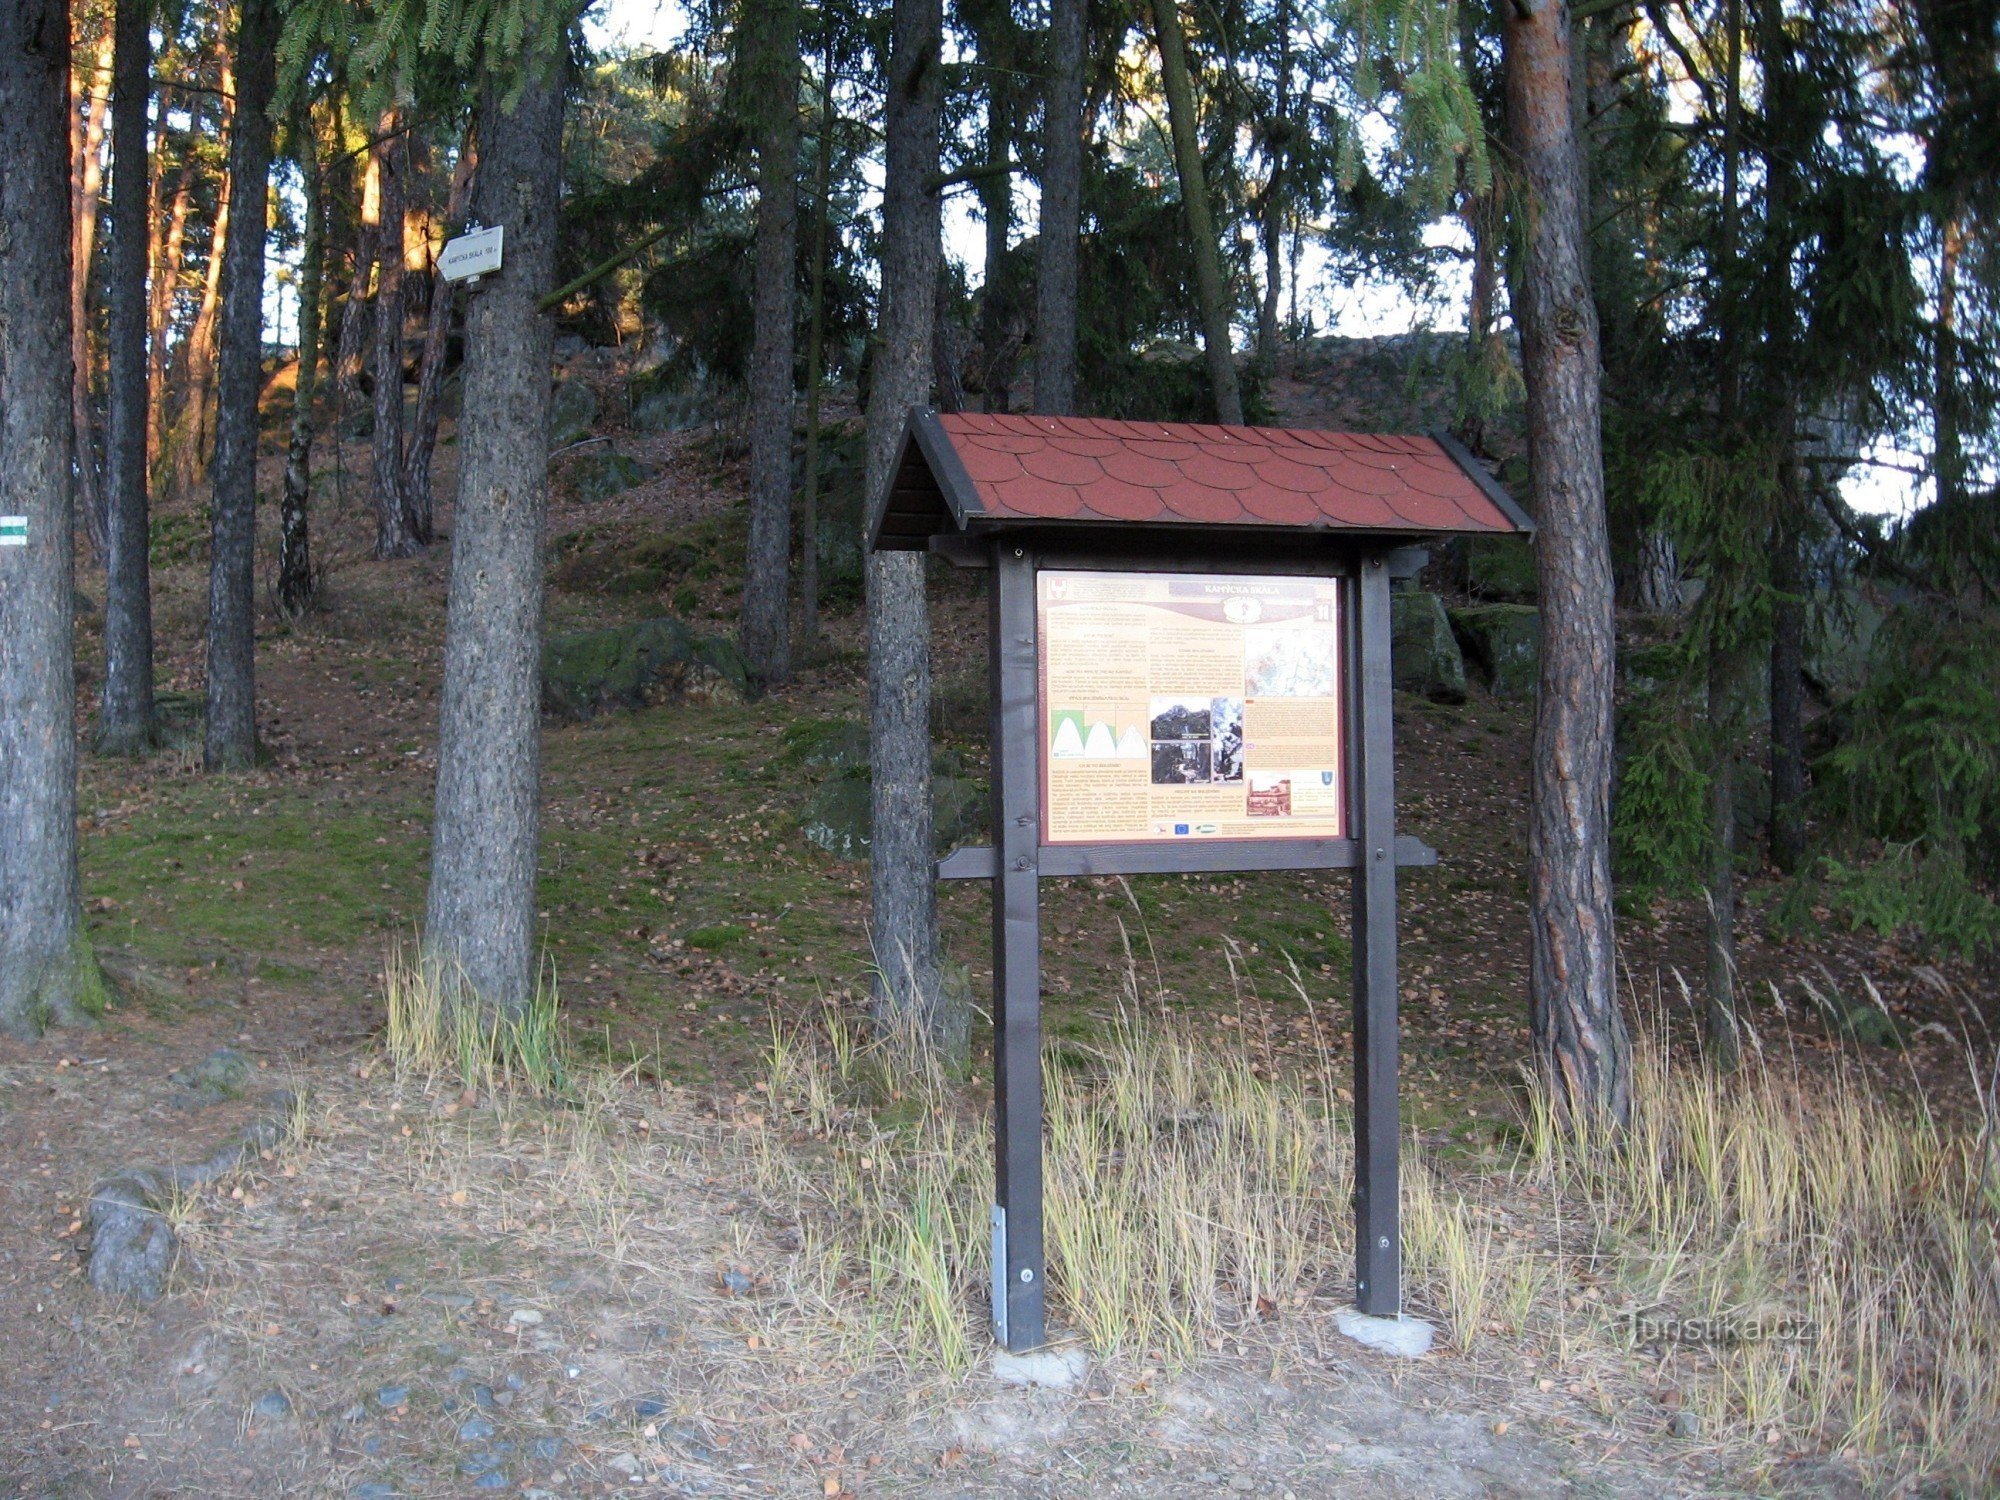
(1272, 226)
(1580, 1039)
(354, 319)
(1060, 227)
(480, 921)
(47, 973)
(765, 629)
(815, 360)
(1659, 571)
(899, 666)
(393, 537)
(1948, 442)
(1788, 730)
(166, 271)
(232, 585)
(189, 437)
(417, 499)
(1209, 286)
(296, 585)
(87, 135)
(1724, 724)
(125, 713)
(996, 211)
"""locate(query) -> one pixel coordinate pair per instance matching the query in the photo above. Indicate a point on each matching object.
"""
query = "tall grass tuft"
(1836, 1244)
(1185, 1197)
(1860, 1227)
(436, 1026)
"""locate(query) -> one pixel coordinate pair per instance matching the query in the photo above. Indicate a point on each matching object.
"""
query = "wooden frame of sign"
(1179, 571)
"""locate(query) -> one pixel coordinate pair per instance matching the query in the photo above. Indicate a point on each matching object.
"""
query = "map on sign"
(1189, 706)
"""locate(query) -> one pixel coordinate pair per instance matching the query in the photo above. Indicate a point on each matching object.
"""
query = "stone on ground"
(632, 666)
(1051, 1369)
(572, 410)
(1424, 652)
(1406, 1338)
(599, 476)
(223, 1074)
(1504, 642)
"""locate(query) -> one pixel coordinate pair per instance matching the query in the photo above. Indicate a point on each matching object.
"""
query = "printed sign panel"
(471, 255)
(1189, 706)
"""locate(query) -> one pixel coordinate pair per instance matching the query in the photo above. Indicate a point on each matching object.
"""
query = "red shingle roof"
(969, 471)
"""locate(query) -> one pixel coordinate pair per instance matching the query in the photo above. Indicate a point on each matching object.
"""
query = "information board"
(1189, 706)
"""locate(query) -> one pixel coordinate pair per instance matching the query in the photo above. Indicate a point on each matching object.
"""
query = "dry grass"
(1847, 1239)
(1197, 1201)
(435, 1027)
(1816, 1259)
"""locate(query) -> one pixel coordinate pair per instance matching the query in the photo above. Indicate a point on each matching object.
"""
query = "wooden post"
(1017, 1001)
(1378, 1275)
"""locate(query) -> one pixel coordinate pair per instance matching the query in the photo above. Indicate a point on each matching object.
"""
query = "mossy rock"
(838, 816)
(572, 412)
(656, 409)
(1504, 644)
(836, 745)
(602, 475)
(1501, 568)
(631, 666)
(222, 1074)
(1424, 652)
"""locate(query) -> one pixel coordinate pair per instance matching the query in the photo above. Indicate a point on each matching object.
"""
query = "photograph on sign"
(1189, 706)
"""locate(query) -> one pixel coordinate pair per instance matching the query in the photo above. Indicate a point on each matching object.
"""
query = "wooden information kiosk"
(1190, 672)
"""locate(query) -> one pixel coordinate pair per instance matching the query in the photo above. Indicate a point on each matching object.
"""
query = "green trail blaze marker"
(13, 531)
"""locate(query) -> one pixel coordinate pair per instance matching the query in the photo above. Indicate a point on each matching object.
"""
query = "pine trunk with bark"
(765, 629)
(393, 536)
(904, 895)
(480, 919)
(231, 739)
(419, 504)
(996, 212)
(355, 322)
(297, 587)
(1271, 225)
(188, 438)
(166, 278)
(1060, 227)
(809, 628)
(1580, 1040)
(47, 974)
(1725, 672)
(1210, 288)
(1788, 678)
(125, 723)
(92, 89)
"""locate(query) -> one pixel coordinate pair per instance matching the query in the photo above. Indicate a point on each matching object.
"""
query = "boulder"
(572, 411)
(836, 745)
(599, 476)
(1504, 644)
(660, 410)
(630, 666)
(1501, 568)
(837, 816)
(1424, 651)
(223, 1074)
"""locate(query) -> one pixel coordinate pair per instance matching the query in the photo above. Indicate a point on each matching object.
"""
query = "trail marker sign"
(1189, 652)
(473, 255)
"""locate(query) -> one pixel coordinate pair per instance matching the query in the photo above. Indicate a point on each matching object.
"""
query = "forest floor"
(428, 1293)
